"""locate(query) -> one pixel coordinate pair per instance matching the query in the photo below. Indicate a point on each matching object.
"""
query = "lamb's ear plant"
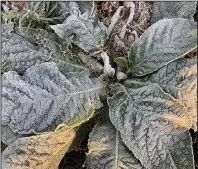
(147, 117)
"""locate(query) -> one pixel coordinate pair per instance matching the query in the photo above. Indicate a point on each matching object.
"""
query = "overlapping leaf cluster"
(45, 101)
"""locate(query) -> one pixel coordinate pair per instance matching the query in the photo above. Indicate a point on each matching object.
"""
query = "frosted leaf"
(164, 42)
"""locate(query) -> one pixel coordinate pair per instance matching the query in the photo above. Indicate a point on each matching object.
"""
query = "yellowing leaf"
(179, 79)
(122, 61)
(43, 151)
(149, 120)
(179, 122)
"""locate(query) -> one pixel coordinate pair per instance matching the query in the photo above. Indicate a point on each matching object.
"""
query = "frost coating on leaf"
(87, 33)
(43, 98)
(8, 136)
(147, 119)
(7, 28)
(43, 151)
(179, 78)
(66, 8)
(167, 9)
(66, 67)
(180, 146)
(52, 51)
(164, 42)
(19, 52)
(39, 36)
(108, 70)
(107, 150)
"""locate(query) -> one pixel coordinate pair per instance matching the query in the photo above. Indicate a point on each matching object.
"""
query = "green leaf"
(43, 151)
(107, 150)
(149, 120)
(91, 62)
(6, 65)
(167, 9)
(179, 78)
(122, 61)
(165, 41)
(43, 98)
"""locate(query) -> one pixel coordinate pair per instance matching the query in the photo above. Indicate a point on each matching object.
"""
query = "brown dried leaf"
(127, 25)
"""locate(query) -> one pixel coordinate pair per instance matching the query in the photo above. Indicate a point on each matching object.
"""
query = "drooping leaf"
(179, 78)
(86, 33)
(19, 52)
(164, 42)
(107, 150)
(43, 151)
(167, 9)
(148, 120)
(43, 98)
